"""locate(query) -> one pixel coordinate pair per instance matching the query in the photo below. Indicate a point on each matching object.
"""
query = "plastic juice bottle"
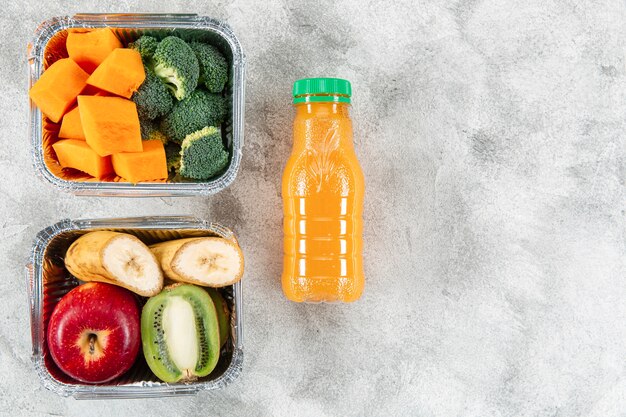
(323, 191)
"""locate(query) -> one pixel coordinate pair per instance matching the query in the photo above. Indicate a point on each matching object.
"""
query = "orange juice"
(322, 191)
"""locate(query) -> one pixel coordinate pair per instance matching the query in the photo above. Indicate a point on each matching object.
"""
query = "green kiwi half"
(180, 333)
(223, 314)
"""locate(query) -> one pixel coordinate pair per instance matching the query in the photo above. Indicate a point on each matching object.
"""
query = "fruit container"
(48, 281)
(48, 45)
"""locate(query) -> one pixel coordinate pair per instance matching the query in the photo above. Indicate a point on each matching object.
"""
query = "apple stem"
(92, 343)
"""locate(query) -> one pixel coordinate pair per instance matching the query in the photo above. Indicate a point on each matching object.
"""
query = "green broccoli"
(203, 154)
(177, 65)
(153, 99)
(146, 46)
(172, 155)
(150, 130)
(213, 66)
(198, 110)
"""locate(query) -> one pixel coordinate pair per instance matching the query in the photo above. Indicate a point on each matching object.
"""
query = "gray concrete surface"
(491, 134)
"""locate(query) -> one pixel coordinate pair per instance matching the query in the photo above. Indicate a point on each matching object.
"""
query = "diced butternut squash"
(150, 164)
(90, 90)
(89, 49)
(110, 124)
(75, 153)
(71, 127)
(57, 88)
(121, 73)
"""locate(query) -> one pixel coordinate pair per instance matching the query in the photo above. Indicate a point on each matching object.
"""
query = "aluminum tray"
(48, 281)
(48, 45)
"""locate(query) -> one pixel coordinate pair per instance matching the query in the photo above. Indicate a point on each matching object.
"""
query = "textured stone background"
(491, 134)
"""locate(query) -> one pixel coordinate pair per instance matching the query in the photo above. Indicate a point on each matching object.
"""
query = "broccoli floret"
(213, 66)
(150, 130)
(172, 155)
(152, 98)
(203, 154)
(146, 46)
(177, 65)
(198, 110)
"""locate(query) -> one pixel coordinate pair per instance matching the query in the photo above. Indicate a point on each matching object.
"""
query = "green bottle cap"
(309, 90)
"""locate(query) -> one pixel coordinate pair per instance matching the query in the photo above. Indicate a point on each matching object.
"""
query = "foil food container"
(48, 281)
(48, 45)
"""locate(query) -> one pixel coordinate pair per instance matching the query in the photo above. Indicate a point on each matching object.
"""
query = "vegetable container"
(48, 45)
(48, 281)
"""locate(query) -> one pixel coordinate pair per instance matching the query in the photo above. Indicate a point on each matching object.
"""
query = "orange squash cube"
(71, 127)
(110, 124)
(57, 88)
(75, 153)
(121, 73)
(90, 91)
(89, 49)
(150, 164)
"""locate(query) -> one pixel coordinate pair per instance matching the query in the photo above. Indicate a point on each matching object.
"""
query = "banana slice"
(116, 258)
(207, 261)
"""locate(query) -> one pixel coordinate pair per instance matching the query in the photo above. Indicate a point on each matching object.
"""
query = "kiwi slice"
(180, 333)
(223, 314)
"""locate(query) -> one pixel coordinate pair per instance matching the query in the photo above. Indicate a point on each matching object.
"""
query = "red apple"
(94, 333)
